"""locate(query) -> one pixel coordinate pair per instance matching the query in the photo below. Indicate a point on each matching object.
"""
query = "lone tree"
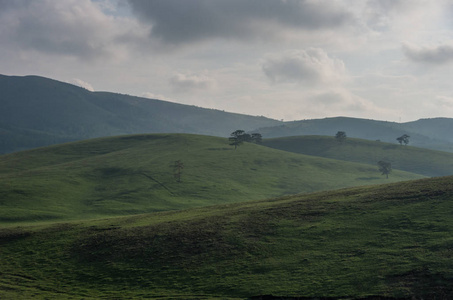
(385, 168)
(177, 170)
(257, 138)
(340, 136)
(238, 137)
(403, 139)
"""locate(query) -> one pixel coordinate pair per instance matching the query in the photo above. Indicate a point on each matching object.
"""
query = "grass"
(411, 159)
(392, 240)
(133, 174)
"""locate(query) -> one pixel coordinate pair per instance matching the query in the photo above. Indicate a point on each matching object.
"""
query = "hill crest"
(422, 161)
(135, 174)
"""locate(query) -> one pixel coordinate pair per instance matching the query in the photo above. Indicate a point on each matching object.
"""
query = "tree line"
(341, 137)
(385, 167)
(239, 136)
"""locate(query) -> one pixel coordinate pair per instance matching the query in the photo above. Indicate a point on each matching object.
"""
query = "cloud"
(340, 101)
(179, 22)
(380, 14)
(404, 16)
(444, 102)
(430, 55)
(311, 66)
(74, 28)
(153, 96)
(189, 83)
(83, 84)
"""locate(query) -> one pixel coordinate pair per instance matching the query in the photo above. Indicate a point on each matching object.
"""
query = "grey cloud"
(70, 28)
(310, 66)
(290, 69)
(329, 98)
(176, 22)
(435, 55)
(8, 5)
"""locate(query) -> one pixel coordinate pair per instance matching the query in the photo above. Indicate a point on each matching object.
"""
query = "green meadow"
(108, 219)
(392, 240)
(135, 174)
(402, 157)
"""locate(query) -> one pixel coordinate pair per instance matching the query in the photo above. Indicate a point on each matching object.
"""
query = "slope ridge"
(411, 159)
(134, 174)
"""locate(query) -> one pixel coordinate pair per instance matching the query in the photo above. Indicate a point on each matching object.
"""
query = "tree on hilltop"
(403, 139)
(257, 138)
(238, 137)
(340, 136)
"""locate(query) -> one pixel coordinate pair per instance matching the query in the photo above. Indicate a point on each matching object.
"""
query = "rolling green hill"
(134, 174)
(390, 240)
(412, 159)
(37, 111)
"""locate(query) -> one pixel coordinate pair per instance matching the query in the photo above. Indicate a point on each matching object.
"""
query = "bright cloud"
(346, 103)
(187, 83)
(311, 66)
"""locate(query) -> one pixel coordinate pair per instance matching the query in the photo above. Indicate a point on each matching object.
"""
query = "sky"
(284, 59)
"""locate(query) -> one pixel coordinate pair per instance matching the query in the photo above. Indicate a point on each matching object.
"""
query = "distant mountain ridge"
(427, 133)
(37, 111)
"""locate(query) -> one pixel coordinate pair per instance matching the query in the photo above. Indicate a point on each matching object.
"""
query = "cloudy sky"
(285, 59)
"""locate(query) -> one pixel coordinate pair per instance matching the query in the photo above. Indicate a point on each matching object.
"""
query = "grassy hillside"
(389, 240)
(423, 133)
(37, 111)
(134, 174)
(417, 160)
